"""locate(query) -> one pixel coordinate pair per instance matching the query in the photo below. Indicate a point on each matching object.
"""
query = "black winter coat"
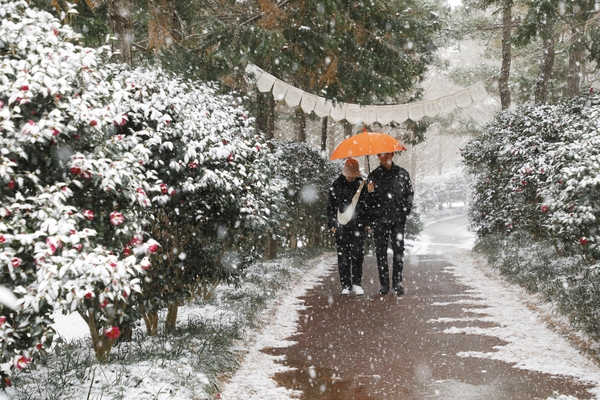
(341, 193)
(392, 199)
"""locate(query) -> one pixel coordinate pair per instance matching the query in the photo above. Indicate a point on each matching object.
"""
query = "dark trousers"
(383, 232)
(350, 241)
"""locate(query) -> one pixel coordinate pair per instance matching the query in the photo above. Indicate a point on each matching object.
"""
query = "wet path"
(390, 347)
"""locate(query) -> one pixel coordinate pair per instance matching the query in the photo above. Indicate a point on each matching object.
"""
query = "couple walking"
(382, 206)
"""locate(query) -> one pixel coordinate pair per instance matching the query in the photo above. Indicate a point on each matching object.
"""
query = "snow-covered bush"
(307, 176)
(71, 190)
(214, 192)
(536, 170)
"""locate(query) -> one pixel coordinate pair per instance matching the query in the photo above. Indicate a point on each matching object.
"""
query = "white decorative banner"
(323, 108)
(462, 98)
(265, 82)
(293, 96)
(355, 113)
(415, 111)
(338, 112)
(280, 88)
(309, 101)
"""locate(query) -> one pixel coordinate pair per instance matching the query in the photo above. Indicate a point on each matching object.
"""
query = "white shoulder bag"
(346, 216)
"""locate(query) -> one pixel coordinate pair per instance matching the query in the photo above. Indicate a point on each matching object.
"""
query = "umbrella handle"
(368, 166)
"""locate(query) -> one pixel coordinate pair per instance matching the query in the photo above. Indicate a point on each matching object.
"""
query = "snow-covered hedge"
(71, 191)
(537, 170)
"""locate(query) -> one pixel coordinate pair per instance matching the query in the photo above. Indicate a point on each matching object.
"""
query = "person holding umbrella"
(390, 199)
(347, 218)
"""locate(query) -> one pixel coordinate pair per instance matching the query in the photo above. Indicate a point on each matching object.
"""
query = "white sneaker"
(346, 291)
(358, 290)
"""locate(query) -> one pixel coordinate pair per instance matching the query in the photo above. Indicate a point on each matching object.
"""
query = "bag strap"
(346, 216)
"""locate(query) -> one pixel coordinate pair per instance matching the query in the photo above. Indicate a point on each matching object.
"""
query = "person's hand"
(370, 186)
(332, 230)
(367, 229)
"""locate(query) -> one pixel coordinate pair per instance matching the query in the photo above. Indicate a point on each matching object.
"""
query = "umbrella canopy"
(366, 143)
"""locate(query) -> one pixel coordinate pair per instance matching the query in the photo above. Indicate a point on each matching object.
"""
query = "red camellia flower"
(55, 132)
(112, 332)
(153, 248)
(171, 191)
(39, 346)
(93, 122)
(86, 175)
(544, 208)
(89, 295)
(75, 170)
(78, 247)
(15, 262)
(164, 188)
(2, 239)
(145, 263)
(126, 251)
(21, 362)
(11, 184)
(258, 147)
(225, 142)
(89, 214)
(2, 319)
(24, 87)
(113, 264)
(140, 191)
(193, 165)
(230, 158)
(583, 241)
(116, 218)
(104, 303)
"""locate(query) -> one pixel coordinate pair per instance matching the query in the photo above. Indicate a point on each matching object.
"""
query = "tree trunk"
(271, 247)
(347, 129)
(301, 138)
(324, 135)
(506, 54)
(541, 85)
(171, 321)
(262, 117)
(101, 344)
(270, 132)
(575, 58)
(293, 241)
(120, 22)
(164, 27)
(151, 321)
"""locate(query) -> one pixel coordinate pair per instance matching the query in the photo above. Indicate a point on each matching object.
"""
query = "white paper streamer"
(478, 92)
(431, 108)
(446, 104)
(280, 88)
(385, 114)
(338, 112)
(415, 111)
(293, 96)
(399, 113)
(252, 73)
(265, 81)
(369, 114)
(322, 107)
(353, 113)
(462, 98)
(309, 101)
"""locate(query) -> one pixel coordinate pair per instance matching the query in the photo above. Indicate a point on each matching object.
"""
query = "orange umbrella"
(366, 143)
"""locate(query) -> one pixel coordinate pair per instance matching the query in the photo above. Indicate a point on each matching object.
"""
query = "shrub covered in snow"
(71, 191)
(536, 170)
(214, 193)
(307, 176)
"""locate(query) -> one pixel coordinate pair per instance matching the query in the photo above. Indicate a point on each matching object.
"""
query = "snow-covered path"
(511, 314)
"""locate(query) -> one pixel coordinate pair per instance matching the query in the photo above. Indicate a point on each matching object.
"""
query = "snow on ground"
(519, 316)
(253, 379)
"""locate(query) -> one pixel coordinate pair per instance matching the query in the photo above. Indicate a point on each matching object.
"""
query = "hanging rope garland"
(356, 113)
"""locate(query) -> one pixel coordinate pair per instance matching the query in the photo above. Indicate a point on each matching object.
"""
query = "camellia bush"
(307, 176)
(214, 195)
(537, 202)
(536, 170)
(72, 192)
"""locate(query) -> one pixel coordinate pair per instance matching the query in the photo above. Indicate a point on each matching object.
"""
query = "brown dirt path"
(383, 347)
